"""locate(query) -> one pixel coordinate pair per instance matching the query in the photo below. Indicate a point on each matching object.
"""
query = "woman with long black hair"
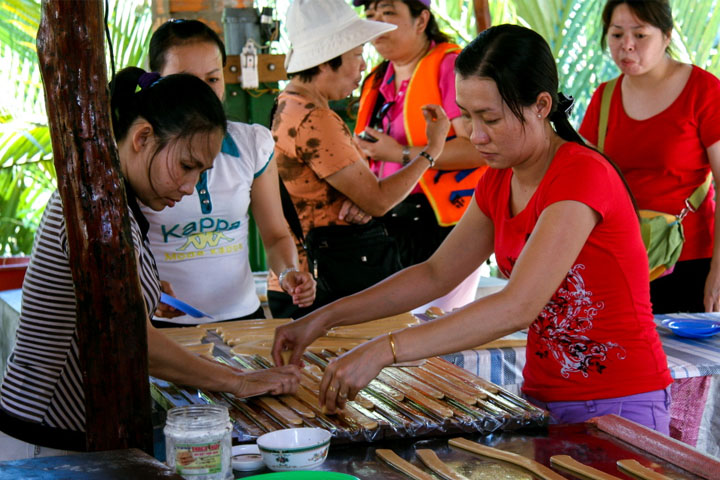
(564, 230)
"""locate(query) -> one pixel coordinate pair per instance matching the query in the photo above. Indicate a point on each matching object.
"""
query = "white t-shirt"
(200, 244)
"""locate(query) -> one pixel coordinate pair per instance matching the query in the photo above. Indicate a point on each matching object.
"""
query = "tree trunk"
(482, 15)
(111, 323)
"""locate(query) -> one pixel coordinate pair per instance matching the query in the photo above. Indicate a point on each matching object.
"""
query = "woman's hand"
(164, 310)
(346, 375)
(385, 149)
(294, 337)
(351, 213)
(437, 126)
(301, 287)
(275, 381)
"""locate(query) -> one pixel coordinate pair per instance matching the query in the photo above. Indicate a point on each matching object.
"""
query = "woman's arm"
(377, 197)
(458, 154)
(551, 250)
(712, 283)
(279, 244)
(468, 245)
(170, 361)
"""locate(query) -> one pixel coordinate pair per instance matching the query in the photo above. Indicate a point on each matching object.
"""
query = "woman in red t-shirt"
(563, 228)
(663, 132)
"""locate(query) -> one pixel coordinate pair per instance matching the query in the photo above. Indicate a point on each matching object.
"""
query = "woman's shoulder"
(703, 79)
(247, 131)
(571, 156)
(246, 137)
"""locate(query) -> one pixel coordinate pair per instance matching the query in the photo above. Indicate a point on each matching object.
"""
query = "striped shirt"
(43, 381)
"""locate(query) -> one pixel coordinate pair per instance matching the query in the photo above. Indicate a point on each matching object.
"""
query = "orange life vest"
(448, 191)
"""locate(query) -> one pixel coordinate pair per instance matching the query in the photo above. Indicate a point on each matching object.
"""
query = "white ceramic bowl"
(294, 448)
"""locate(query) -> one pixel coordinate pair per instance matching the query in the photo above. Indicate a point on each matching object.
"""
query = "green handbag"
(662, 233)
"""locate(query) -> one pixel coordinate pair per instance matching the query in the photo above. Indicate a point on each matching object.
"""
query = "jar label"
(198, 458)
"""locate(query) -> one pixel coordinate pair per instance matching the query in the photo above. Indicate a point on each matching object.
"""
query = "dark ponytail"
(560, 119)
(522, 66)
(177, 106)
(432, 31)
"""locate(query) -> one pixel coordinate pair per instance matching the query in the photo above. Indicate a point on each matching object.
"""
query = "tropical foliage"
(571, 27)
(27, 173)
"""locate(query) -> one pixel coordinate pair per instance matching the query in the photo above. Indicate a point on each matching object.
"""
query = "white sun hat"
(320, 30)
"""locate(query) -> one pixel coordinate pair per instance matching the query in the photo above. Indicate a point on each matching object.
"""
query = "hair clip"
(148, 79)
(565, 103)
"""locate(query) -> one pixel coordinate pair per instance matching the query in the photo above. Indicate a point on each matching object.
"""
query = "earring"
(539, 116)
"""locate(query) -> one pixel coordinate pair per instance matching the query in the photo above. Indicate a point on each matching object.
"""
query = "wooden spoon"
(433, 462)
(566, 462)
(403, 465)
(635, 469)
(532, 466)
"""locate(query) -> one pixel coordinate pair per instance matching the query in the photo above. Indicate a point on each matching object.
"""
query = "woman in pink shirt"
(417, 69)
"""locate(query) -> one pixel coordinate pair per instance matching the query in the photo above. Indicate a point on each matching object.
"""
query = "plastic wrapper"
(435, 398)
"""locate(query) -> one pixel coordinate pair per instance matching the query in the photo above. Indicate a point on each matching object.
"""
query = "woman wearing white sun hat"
(317, 159)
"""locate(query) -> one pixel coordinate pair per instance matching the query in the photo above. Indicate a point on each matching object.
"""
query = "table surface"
(581, 441)
(111, 465)
(686, 357)
(503, 366)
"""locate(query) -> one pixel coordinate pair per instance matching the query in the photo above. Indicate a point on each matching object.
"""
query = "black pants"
(683, 289)
(413, 225)
(41, 434)
(259, 313)
(282, 306)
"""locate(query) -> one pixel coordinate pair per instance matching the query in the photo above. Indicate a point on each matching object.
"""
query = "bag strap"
(605, 112)
(698, 196)
(290, 213)
(694, 201)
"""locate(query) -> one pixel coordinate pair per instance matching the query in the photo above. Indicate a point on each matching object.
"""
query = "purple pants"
(651, 409)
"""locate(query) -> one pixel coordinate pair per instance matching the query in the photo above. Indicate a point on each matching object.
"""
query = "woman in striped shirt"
(168, 133)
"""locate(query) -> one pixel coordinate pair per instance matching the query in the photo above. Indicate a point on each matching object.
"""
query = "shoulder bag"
(662, 233)
(344, 258)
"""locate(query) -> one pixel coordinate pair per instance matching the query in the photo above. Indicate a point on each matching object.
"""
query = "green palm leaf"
(27, 174)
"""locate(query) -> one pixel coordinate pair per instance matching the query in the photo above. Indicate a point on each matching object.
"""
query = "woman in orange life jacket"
(417, 70)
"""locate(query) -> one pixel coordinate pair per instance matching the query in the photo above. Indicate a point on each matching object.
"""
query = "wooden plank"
(271, 68)
(111, 316)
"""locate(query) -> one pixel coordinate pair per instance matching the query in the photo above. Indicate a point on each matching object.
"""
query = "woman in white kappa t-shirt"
(201, 244)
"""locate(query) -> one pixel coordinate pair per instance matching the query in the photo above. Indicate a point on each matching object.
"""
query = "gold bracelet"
(392, 346)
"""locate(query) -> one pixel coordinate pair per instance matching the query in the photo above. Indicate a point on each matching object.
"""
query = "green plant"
(27, 174)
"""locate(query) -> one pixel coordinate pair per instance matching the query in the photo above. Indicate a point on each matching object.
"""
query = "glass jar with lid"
(198, 443)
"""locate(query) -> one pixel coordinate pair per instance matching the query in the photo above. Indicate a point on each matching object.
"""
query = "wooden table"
(694, 365)
(115, 464)
(581, 441)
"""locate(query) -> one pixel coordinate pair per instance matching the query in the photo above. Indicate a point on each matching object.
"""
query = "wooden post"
(111, 323)
(482, 15)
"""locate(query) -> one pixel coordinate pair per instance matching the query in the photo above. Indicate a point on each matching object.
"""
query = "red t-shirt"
(664, 158)
(596, 337)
